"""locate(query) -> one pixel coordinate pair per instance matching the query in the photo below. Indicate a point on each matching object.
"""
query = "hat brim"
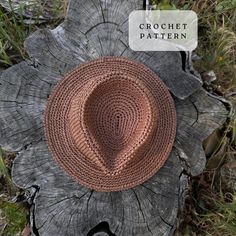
(64, 150)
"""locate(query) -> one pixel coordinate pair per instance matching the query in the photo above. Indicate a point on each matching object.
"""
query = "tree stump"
(59, 205)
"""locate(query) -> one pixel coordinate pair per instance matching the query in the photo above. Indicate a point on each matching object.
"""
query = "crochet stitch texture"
(110, 124)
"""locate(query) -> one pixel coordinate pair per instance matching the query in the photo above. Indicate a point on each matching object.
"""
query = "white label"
(165, 30)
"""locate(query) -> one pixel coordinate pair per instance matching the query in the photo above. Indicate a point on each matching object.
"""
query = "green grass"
(211, 207)
(163, 5)
(14, 29)
(12, 215)
(222, 219)
(217, 35)
(13, 32)
(5, 177)
(209, 214)
(15, 217)
(4, 172)
(217, 38)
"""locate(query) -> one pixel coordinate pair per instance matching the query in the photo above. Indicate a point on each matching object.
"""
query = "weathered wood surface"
(60, 206)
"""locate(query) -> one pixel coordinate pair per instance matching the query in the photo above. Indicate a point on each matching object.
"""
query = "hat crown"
(110, 123)
(111, 119)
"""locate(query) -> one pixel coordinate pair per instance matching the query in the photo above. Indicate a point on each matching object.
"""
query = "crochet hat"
(110, 124)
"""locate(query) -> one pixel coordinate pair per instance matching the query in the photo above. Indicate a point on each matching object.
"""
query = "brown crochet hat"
(110, 124)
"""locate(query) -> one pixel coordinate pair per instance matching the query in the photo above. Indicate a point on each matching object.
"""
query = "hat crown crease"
(111, 118)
